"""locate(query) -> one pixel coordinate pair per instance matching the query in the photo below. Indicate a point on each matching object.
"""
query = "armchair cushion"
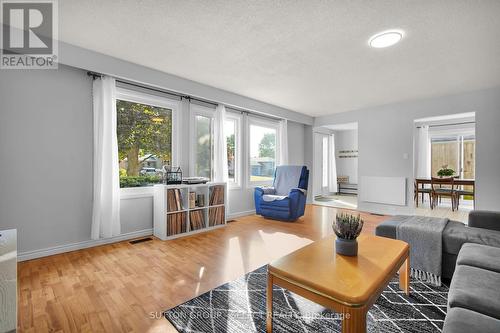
(273, 197)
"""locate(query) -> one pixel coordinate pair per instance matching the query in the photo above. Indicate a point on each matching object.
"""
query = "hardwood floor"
(124, 288)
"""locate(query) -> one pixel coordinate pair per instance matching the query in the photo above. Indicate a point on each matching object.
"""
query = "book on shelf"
(217, 195)
(192, 199)
(176, 224)
(197, 219)
(216, 216)
(174, 200)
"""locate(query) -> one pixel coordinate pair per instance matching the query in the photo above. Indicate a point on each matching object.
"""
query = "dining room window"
(455, 152)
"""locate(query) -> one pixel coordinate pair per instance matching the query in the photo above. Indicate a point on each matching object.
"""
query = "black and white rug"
(240, 306)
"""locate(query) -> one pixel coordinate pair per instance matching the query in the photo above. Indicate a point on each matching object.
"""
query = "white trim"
(136, 192)
(49, 251)
(28, 255)
(240, 214)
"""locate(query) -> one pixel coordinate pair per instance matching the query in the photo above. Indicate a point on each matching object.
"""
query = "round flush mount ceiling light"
(385, 39)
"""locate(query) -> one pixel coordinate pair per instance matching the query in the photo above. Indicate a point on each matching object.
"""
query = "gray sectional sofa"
(483, 228)
(474, 296)
(471, 257)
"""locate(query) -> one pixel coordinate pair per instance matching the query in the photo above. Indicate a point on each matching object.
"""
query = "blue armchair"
(286, 199)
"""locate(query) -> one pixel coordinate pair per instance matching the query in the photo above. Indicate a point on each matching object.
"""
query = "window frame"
(238, 149)
(266, 123)
(133, 96)
(204, 111)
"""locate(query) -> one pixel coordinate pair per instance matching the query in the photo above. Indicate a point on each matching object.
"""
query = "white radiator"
(383, 190)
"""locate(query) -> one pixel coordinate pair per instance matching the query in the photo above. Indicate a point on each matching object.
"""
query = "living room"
(160, 166)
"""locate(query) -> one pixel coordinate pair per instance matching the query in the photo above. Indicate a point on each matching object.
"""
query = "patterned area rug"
(240, 306)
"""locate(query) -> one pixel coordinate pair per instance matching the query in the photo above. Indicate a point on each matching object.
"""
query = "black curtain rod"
(464, 123)
(163, 91)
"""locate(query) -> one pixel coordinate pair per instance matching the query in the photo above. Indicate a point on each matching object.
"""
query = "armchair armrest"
(265, 190)
(299, 190)
(484, 219)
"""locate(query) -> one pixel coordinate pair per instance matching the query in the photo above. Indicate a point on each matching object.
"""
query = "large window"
(263, 143)
(202, 125)
(232, 131)
(456, 152)
(144, 142)
(144, 132)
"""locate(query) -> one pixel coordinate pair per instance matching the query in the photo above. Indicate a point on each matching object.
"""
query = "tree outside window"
(144, 142)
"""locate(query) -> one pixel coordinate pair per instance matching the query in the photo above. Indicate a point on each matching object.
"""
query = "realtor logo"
(29, 34)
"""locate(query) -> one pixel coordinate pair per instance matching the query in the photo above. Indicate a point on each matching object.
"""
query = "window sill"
(136, 192)
(260, 184)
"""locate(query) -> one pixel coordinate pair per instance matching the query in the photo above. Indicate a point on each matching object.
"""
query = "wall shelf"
(170, 222)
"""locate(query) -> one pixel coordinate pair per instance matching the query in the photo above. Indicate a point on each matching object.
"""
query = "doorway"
(445, 147)
(335, 173)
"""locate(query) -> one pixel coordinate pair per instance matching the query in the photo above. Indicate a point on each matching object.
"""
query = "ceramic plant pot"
(346, 247)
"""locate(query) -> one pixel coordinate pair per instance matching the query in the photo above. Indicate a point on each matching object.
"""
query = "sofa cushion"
(388, 227)
(482, 256)
(460, 320)
(456, 234)
(475, 289)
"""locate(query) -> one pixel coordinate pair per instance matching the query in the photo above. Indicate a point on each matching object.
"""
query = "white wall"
(386, 136)
(346, 140)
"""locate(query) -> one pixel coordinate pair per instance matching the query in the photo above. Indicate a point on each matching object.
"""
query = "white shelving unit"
(163, 214)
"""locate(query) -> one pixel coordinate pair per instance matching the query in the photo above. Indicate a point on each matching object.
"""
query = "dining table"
(421, 182)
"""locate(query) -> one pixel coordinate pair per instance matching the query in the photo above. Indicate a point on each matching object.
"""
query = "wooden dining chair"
(421, 190)
(464, 192)
(443, 187)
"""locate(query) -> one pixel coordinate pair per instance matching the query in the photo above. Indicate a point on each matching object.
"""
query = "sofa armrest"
(265, 190)
(484, 219)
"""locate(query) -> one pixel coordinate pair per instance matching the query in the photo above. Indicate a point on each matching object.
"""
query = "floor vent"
(376, 214)
(135, 241)
(233, 220)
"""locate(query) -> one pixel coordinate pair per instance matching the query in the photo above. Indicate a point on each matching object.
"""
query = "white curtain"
(106, 196)
(332, 170)
(283, 142)
(423, 152)
(220, 145)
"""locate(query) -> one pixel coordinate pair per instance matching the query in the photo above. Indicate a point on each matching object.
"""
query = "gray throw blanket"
(424, 235)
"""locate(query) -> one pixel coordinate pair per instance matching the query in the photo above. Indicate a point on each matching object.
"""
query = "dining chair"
(421, 190)
(443, 187)
(463, 192)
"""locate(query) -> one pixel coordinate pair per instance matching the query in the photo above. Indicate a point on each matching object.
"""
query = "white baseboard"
(240, 214)
(28, 255)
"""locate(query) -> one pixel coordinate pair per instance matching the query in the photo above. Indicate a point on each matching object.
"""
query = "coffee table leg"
(404, 276)
(354, 320)
(269, 303)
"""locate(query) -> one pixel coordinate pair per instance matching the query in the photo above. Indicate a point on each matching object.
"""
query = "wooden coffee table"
(347, 285)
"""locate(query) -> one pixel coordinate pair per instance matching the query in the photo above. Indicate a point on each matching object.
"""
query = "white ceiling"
(309, 56)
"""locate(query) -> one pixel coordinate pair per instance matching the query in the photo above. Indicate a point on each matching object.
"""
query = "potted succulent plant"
(347, 227)
(445, 171)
